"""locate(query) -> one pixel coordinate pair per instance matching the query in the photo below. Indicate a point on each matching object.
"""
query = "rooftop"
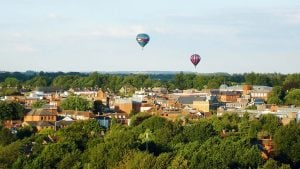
(40, 112)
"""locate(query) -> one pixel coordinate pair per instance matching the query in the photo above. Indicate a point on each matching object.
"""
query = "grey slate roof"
(40, 123)
(40, 112)
(190, 99)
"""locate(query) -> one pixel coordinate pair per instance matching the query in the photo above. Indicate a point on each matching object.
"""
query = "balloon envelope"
(195, 59)
(142, 39)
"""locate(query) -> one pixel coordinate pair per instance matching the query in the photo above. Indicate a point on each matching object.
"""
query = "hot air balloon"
(195, 59)
(142, 39)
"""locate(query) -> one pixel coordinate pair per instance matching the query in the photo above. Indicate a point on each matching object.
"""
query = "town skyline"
(233, 37)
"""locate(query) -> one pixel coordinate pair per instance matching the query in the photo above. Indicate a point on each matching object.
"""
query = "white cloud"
(287, 15)
(293, 18)
(24, 48)
(17, 35)
(54, 16)
(116, 32)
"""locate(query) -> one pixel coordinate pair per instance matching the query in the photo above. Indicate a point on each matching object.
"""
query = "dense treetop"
(154, 142)
(171, 81)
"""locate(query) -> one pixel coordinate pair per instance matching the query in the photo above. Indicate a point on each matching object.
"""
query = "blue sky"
(233, 36)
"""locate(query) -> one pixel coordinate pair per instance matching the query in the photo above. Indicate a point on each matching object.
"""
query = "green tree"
(276, 96)
(139, 118)
(213, 84)
(6, 111)
(9, 92)
(79, 133)
(37, 81)
(200, 131)
(38, 104)
(200, 82)
(250, 78)
(292, 81)
(271, 164)
(270, 124)
(70, 160)
(293, 97)
(137, 160)
(179, 163)
(117, 142)
(9, 154)
(146, 138)
(255, 127)
(10, 111)
(287, 144)
(52, 154)
(64, 81)
(6, 137)
(179, 81)
(24, 132)
(163, 161)
(231, 152)
(76, 103)
(11, 82)
(98, 107)
(17, 110)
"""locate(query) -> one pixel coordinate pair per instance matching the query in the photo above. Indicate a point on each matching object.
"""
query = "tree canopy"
(154, 142)
(76, 103)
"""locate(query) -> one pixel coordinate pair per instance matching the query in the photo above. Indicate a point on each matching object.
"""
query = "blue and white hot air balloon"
(142, 39)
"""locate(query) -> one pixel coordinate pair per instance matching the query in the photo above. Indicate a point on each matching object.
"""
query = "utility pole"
(76, 103)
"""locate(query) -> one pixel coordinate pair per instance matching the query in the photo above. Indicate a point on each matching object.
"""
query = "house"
(145, 107)
(104, 121)
(123, 105)
(127, 90)
(202, 106)
(210, 92)
(102, 96)
(247, 89)
(52, 105)
(165, 102)
(12, 124)
(121, 118)
(236, 88)
(229, 96)
(205, 106)
(90, 94)
(44, 93)
(76, 115)
(30, 101)
(159, 90)
(66, 121)
(188, 100)
(39, 125)
(258, 101)
(291, 116)
(260, 92)
(240, 104)
(40, 115)
(19, 99)
(40, 119)
(173, 115)
(236, 105)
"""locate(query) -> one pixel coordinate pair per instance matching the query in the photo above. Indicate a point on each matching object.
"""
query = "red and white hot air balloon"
(195, 59)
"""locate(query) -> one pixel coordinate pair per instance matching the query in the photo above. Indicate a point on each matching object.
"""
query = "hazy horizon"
(144, 72)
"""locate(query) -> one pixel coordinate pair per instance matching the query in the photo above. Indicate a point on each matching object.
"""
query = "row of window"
(44, 118)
